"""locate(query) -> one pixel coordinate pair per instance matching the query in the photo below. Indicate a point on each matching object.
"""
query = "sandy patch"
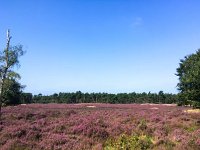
(91, 106)
(159, 104)
(169, 104)
(154, 108)
(23, 104)
(192, 111)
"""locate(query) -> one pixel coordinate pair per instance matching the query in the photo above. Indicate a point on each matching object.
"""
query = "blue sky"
(101, 46)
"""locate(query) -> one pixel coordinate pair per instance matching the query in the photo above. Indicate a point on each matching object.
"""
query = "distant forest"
(122, 98)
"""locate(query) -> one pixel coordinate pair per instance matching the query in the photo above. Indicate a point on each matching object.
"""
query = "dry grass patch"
(192, 111)
(91, 106)
(154, 108)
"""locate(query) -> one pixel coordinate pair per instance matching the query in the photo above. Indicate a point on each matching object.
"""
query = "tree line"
(122, 98)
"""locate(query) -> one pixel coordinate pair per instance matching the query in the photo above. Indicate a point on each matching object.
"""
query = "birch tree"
(9, 58)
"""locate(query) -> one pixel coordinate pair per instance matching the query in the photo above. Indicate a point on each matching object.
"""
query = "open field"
(99, 126)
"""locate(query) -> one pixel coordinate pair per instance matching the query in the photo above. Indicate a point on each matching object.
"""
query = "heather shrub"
(143, 128)
(29, 116)
(194, 141)
(106, 126)
(15, 144)
(165, 143)
(92, 127)
(34, 135)
(198, 142)
(142, 124)
(14, 117)
(132, 142)
(185, 118)
(54, 114)
(3, 140)
(191, 128)
(56, 142)
(40, 116)
(198, 122)
(116, 129)
(1, 127)
(156, 118)
(91, 130)
(194, 144)
(60, 128)
(20, 133)
(70, 112)
(167, 129)
(14, 132)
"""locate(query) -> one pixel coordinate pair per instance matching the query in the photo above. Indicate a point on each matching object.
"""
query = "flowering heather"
(99, 126)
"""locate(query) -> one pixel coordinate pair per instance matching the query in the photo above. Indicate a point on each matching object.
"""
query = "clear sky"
(101, 45)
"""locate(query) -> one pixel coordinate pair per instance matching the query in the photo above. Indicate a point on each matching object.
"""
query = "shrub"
(142, 125)
(165, 143)
(125, 142)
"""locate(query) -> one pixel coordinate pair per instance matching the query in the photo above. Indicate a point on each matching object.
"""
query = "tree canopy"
(123, 98)
(189, 78)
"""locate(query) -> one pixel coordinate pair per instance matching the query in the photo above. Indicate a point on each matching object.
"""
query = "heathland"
(99, 126)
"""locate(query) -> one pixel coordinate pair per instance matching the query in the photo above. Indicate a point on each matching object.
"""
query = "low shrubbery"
(105, 126)
(194, 104)
(132, 142)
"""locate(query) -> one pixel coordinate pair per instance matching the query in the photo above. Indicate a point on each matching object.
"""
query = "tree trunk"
(4, 72)
(0, 111)
(1, 101)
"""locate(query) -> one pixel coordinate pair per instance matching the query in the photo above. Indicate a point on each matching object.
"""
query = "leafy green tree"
(79, 96)
(189, 78)
(9, 58)
(12, 92)
(161, 97)
(26, 98)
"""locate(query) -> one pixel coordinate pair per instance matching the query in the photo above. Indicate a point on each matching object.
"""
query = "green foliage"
(123, 98)
(142, 125)
(10, 89)
(192, 144)
(167, 144)
(133, 142)
(26, 98)
(12, 92)
(189, 78)
(192, 128)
